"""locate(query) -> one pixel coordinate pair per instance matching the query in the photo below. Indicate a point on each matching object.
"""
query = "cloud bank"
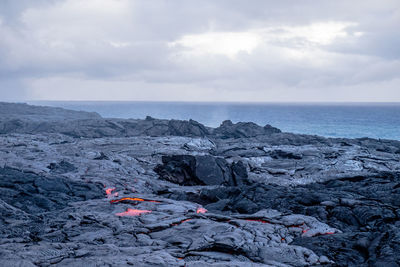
(187, 50)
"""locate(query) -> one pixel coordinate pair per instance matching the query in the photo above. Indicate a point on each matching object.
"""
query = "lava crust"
(89, 191)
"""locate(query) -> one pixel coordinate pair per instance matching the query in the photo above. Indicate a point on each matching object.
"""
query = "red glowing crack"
(133, 212)
(128, 199)
(178, 223)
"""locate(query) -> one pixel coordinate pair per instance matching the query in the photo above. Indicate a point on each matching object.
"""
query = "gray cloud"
(200, 50)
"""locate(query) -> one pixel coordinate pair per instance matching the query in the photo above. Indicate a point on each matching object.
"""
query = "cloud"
(200, 50)
(219, 43)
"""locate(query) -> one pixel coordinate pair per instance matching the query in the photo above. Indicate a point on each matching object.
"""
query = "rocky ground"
(80, 190)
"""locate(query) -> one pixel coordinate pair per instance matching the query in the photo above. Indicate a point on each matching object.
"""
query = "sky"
(208, 50)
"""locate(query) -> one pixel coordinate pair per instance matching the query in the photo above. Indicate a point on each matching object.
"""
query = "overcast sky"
(192, 50)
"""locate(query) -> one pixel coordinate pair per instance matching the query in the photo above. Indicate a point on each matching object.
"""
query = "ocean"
(351, 120)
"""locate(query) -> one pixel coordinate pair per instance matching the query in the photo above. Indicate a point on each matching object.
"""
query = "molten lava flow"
(201, 210)
(133, 212)
(127, 199)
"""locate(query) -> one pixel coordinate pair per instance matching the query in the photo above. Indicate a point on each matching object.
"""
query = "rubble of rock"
(89, 191)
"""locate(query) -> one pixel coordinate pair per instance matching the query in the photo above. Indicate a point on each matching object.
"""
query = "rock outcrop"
(243, 129)
(201, 170)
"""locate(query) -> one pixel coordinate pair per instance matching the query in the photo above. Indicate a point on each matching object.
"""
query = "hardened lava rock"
(201, 170)
(80, 190)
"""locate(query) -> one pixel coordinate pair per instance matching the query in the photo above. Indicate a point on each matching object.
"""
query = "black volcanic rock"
(187, 128)
(25, 197)
(83, 192)
(239, 173)
(191, 170)
(201, 170)
(97, 128)
(34, 120)
(366, 210)
(243, 129)
(33, 193)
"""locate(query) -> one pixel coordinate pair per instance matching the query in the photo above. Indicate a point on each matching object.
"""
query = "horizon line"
(210, 102)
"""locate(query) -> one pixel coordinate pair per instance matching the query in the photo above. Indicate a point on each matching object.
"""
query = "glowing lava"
(201, 210)
(109, 192)
(127, 199)
(175, 224)
(133, 212)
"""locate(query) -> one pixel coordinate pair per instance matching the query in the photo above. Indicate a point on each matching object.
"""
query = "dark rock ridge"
(89, 191)
(23, 118)
(243, 129)
(97, 128)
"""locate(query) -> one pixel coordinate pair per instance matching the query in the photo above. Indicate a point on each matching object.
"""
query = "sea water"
(352, 120)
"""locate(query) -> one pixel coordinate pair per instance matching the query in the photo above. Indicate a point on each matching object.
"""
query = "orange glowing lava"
(127, 199)
(133, 212)
(201, 210)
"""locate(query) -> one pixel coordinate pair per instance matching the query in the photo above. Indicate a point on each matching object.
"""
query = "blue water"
(375, 120)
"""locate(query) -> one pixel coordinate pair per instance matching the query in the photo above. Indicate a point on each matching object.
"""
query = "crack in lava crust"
(129, 199)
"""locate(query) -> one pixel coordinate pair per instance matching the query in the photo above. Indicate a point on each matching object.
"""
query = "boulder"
(239, 173)
(201, 170)
(187, 128)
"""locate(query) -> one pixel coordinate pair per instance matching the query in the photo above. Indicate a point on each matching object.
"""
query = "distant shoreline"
(345, 119)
